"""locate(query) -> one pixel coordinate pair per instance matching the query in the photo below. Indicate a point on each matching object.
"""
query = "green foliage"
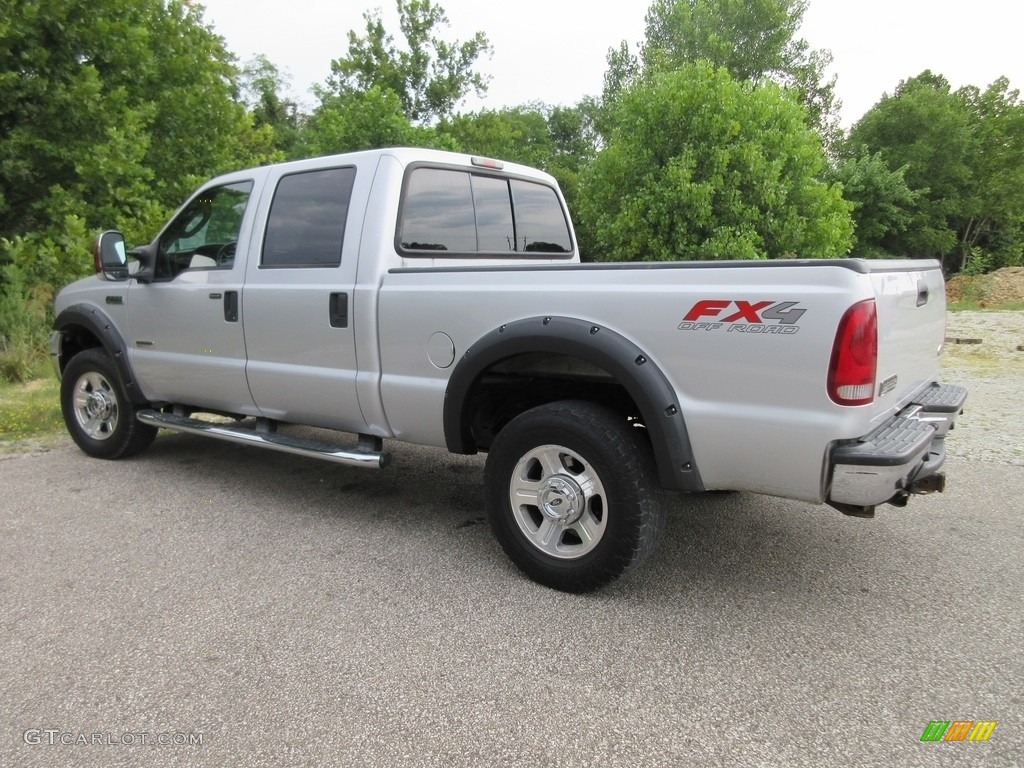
(24, 310)
(31, 268)
(925, 130)
(110, 101)
(962, 157)
(755, 40)
(881, 200)
(46, 260)
(429, 75)
(575, 141)
(979, 264)
(275, 117)
(752, 39)
(190, 80)
(518, 134)
(704, 167)
(111, 111)
(355, 121)
(996, 230)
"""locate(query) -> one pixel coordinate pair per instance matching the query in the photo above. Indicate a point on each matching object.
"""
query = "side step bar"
(367, 454)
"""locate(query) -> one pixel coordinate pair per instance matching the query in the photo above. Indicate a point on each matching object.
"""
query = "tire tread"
(627, 466)
(131, 436)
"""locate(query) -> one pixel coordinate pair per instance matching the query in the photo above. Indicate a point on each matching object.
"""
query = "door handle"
(231, 306)
(339, 310)
(922, 293)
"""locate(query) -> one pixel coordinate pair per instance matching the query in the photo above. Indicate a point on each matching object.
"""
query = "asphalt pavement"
(211, 605)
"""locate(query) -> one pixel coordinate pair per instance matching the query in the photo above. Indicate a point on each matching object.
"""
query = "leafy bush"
(702, 166)
(24, 322)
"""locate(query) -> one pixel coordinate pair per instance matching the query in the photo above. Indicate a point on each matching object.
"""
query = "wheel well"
(521, 382)
(74, 339)
(541, 359)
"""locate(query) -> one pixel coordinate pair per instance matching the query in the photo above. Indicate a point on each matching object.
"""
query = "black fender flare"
(620, 357)
(99, 324)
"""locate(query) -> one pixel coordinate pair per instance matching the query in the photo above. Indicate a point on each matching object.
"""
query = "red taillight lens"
(851, 373)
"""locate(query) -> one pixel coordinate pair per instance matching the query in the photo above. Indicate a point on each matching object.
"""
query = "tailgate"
(911, 302)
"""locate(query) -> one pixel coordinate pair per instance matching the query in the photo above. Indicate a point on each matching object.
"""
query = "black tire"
(588, 507)
(96, 411)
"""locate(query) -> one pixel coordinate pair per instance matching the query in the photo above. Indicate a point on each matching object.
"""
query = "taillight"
(851, 372)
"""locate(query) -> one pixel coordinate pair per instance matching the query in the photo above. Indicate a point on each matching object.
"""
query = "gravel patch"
(991, 366)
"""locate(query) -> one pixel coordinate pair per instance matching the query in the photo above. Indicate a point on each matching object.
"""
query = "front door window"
(204, 234)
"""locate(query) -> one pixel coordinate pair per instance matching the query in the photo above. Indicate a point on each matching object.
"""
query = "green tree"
(754, 40)
(575, 139)
(995, 230)
(110, 112)
(367, 120)
(882, 203)
(926, 130)
(705, 167)
(429, 75)
(190, 80)
(275, 117)
(962, 156)
(517, 134)
(107, 108)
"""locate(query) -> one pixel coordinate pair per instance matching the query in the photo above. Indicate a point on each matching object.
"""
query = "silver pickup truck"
(439, 299)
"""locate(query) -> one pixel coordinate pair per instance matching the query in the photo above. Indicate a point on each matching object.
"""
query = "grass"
(30, 412)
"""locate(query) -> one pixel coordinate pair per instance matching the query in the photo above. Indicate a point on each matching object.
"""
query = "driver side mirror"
(109, 255)
(114, 262)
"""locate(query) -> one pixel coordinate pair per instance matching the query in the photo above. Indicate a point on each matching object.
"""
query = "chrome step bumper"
(901, 457)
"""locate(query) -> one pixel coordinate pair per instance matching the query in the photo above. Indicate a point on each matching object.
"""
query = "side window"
(205, 232)
(468, 213)
(306, 226)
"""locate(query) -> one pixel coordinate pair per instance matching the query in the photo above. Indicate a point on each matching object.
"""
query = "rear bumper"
(901, 457)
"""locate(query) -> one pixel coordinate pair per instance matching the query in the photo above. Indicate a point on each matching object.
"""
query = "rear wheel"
(572, 495)
(96, 411)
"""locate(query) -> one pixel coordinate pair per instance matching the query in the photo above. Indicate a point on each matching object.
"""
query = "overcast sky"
(554, 50)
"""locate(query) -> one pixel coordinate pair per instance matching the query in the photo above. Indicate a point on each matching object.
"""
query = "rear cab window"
(306, 225)
(462, 213)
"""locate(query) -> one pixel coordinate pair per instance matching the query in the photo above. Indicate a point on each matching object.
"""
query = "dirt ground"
(1004, 286)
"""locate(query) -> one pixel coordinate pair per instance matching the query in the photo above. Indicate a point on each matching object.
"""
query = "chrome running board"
(367, 454)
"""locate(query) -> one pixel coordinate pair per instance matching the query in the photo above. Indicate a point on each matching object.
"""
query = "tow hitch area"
(935, 483)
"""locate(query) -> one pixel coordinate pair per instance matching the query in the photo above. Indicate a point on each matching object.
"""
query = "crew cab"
(440, 299)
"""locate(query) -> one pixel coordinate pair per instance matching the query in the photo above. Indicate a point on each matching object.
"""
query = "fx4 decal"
(738, 316)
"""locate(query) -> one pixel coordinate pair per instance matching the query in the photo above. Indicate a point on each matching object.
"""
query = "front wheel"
(572, 495)
(96, 411)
